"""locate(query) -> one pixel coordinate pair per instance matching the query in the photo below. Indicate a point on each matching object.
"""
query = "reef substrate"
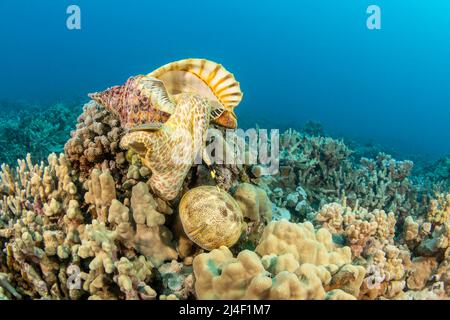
(86, 225)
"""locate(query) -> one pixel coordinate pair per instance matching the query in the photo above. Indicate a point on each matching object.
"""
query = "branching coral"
(412, 268)
(319, 170)
(383, 184)
(359, 227)
(386, 267)
(370, 235)
(439, 209)
(6, 289)
(132, 277)
(96, 140)
(56, 248)
(34, 200)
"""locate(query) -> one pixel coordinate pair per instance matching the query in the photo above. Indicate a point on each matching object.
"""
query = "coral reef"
(318, 170)
(435, 177)
(413, 265)
(88, 224)
(36, 130)
(61, 248)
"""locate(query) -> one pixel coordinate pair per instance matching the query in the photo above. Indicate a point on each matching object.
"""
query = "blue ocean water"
(296, 60)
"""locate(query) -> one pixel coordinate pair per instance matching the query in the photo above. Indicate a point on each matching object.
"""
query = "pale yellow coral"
(144, 207)
(331, 216)
(439, 210)
(306, 244)
(221, 276)
(292, 261)
(410, 229)
(155, 243)
(98, 242)
(386, 272)
(420, 272)
(254, 203)
(347, 279)
(119, 218)
(101, 191)
(358, 225)
(438, 242)
(132, 277)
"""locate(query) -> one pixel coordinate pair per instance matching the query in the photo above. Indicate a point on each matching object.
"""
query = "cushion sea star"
(170, 151)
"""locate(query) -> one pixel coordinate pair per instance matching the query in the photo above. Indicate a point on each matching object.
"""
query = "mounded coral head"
(292, 262)
(254, 202)
(306, 244)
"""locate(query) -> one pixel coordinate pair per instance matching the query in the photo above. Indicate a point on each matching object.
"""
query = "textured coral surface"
(87, 224)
